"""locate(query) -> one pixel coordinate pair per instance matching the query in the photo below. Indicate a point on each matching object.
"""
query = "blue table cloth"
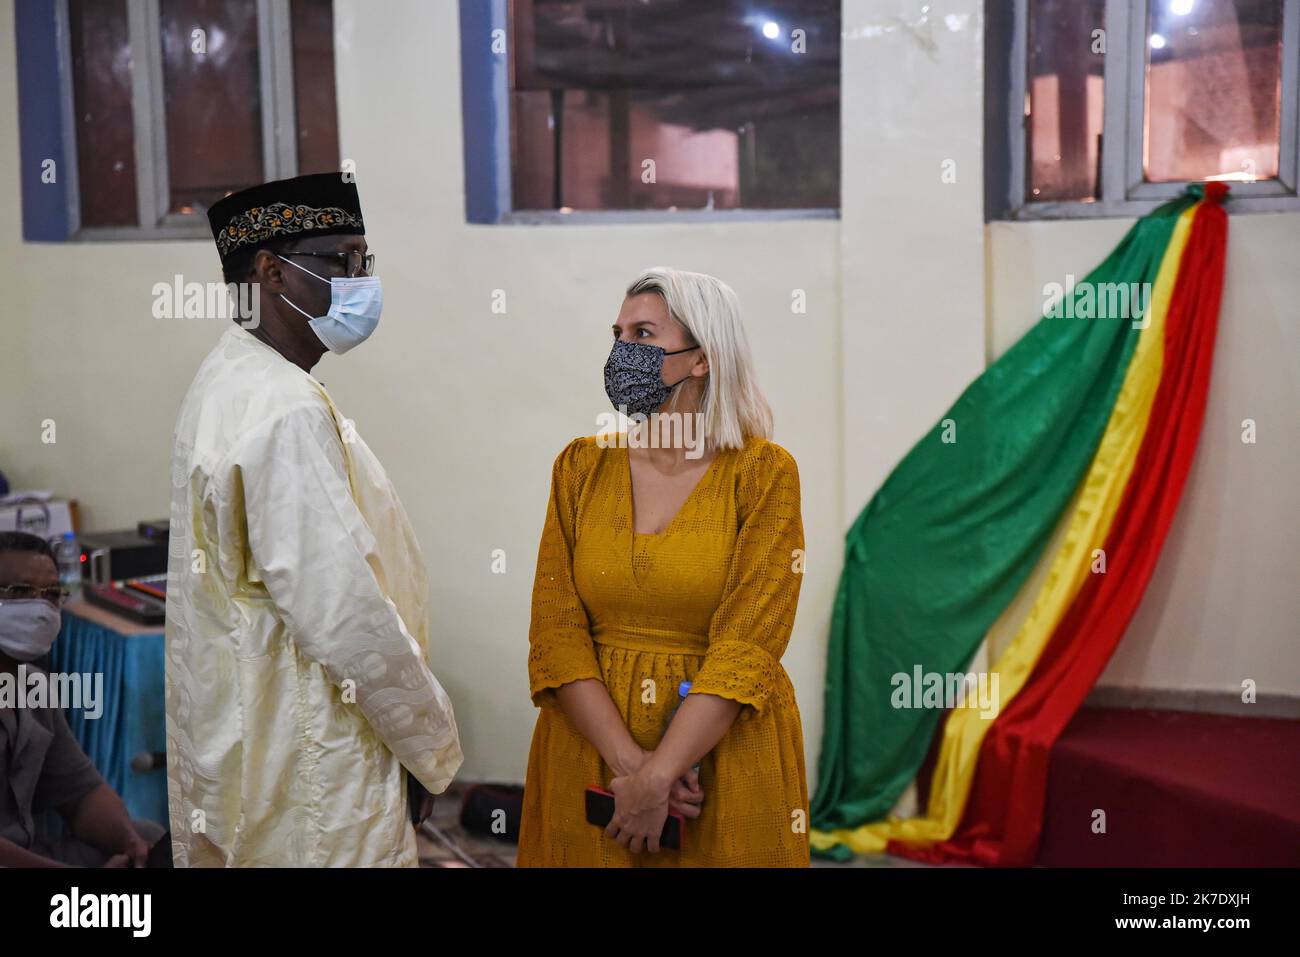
(132, 718)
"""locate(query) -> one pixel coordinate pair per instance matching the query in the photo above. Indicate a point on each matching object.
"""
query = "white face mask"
(28, 628)
(355, 305)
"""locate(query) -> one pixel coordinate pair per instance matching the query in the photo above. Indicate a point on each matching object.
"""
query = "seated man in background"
(41, 765)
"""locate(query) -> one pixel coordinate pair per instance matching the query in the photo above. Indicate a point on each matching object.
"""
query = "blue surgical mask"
(355, 305)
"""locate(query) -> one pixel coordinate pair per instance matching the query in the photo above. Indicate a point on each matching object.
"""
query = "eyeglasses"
(354, 263)
(55, 595)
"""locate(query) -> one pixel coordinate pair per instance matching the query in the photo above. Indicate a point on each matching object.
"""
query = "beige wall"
(468, 408)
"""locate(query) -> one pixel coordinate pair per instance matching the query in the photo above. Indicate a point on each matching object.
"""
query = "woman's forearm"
(695, 730)
(590, 708)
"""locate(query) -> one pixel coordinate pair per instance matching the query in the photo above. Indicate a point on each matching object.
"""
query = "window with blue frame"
(1110, 107)
(576, 107)
(136, 115)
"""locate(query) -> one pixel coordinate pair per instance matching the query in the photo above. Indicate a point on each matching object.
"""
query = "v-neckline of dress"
(631, 493)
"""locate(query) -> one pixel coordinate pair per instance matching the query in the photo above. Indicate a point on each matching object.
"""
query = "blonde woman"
(659, 566)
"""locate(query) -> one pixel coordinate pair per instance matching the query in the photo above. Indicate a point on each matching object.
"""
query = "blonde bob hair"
(732, 408)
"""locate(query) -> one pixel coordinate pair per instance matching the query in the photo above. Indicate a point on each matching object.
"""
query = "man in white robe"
(298, 688)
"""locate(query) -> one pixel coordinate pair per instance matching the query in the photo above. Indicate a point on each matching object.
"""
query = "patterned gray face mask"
(634, 376)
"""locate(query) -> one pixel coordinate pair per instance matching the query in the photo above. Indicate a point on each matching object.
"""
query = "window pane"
(313, 84)
(1213, 89)
(661, 104)
(101, 89)
(212, 99)
(1065, 99)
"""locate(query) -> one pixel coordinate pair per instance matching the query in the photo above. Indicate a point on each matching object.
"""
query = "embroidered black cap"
(320, 204)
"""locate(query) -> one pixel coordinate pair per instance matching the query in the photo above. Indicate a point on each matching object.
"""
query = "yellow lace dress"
(710, 599)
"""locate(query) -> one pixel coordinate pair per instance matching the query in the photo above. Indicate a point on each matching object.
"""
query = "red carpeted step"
(1179, 789)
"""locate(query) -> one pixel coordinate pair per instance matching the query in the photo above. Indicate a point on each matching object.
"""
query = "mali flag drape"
(1031, 517)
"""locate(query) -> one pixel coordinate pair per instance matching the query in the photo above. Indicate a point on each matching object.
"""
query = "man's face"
(320, 254)
(22, 576)
(27, 568)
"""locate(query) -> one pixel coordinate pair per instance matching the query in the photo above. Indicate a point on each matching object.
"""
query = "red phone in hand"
(600, 811)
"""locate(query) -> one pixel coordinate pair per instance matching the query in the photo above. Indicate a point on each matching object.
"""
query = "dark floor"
(444, 843)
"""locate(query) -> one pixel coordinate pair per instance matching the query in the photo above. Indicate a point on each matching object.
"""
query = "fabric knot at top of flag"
(1214, 191)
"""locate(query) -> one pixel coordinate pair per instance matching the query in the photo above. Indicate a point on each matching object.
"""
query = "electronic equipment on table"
(126, 571)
